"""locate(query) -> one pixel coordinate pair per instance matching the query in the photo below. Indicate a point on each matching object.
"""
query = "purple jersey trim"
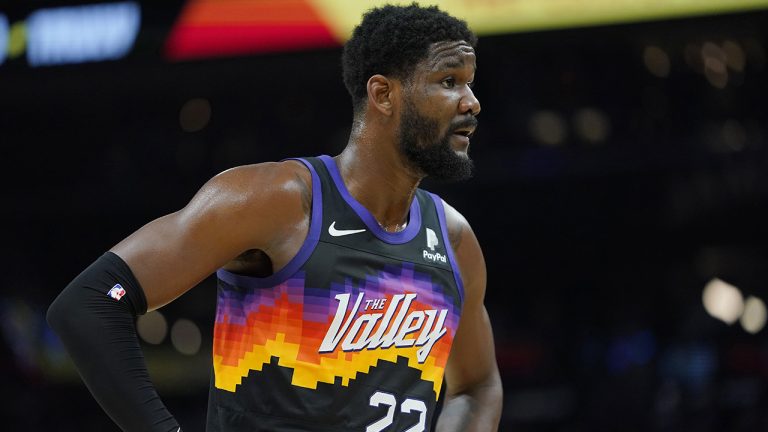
(313, 236)
(404, 236)
(451, 257)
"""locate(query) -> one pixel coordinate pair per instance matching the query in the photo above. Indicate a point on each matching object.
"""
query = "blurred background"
(621, 195)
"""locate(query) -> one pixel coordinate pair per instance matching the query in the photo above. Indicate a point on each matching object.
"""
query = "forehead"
(449, 54)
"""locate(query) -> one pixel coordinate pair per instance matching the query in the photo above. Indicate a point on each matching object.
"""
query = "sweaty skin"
(253, 219)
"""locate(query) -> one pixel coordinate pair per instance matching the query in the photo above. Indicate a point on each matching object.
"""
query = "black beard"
(427, 152)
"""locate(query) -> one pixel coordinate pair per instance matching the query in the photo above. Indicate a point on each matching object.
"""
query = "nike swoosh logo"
(339, 233)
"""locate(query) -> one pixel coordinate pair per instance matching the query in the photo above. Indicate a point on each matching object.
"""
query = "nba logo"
(117, 292)
(431, 239)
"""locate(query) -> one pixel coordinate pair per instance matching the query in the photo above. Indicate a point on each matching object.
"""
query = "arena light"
(186, 337)
(548, 128)
(77, 34)
(4, 37)
(734, 55)
(195, 114)
(656, 61)
(723, 301)
(754, 317)
(591, 125)
(152, 327)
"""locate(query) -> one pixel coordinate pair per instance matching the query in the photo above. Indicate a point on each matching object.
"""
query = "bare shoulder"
(265, 201)
(261, 207)
(248, 185)
(469, 255)
(457, 226)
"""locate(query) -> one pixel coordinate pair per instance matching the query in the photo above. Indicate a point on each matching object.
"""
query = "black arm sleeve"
(94, 317)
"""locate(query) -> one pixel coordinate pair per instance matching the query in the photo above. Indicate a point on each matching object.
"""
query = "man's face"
(438, 113)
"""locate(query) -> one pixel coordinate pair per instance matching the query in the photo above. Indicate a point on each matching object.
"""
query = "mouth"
(465, 131)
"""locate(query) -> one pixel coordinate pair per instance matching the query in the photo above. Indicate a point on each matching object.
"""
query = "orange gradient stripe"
(281, 332)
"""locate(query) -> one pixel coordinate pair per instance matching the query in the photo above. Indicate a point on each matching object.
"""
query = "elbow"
(65, 315)
(57, 315)
(493, 388)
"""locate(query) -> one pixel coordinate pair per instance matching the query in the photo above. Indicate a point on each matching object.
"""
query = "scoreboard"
(223, 27)
(86, 31)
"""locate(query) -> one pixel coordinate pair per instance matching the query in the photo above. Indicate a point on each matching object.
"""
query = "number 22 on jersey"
(409, 405)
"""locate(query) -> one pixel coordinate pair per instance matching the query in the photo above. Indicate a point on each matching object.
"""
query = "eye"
(471, 84)
(449, 83)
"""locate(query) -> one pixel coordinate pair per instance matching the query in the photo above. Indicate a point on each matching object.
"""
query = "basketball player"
(347, 297)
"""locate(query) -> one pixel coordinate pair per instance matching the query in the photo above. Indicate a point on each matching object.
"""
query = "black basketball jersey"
(353, 334)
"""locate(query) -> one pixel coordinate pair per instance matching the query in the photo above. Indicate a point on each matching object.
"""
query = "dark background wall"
(610, 190)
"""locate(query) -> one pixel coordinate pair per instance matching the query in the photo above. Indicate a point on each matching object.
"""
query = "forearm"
(99, 335)
(476, 410)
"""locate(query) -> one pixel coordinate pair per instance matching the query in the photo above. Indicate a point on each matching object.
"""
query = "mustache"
(470, 121)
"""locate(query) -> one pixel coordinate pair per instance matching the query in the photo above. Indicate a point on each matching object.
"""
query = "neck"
(376, 175)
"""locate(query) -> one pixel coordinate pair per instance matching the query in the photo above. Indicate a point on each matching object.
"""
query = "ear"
(382, 93)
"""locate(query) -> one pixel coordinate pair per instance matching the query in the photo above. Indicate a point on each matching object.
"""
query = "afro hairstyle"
(391, 40)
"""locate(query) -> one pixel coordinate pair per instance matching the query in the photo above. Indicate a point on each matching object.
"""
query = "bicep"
(228, 216)
(473, 360)
(172, 254)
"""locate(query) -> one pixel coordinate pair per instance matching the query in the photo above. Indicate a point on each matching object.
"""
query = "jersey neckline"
(404, 236)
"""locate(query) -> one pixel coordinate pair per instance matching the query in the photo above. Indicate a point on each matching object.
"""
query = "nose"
(469, 103)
